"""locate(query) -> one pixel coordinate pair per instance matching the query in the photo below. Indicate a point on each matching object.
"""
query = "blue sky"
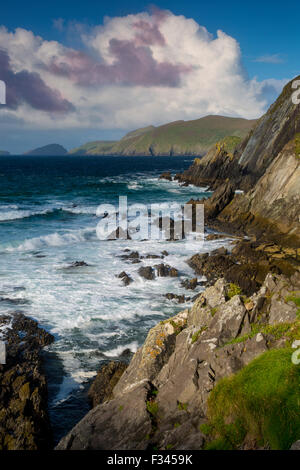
(266, 32)
(263, 28)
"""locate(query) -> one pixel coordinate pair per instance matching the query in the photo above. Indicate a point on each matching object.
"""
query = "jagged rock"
(150, 358)
(181, 361)
(190, 283)
(164, 270)
(180, 298)
(147, 272)
(77, 264)
(220, 199)
(125, 278)
(282, 309)
(166, 176)
(132, 256)
(24, 422)
(120, 424)
(150, 256)
(102, 387)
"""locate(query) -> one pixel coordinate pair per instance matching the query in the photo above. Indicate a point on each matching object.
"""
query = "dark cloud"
(134, 65)
(28, 87)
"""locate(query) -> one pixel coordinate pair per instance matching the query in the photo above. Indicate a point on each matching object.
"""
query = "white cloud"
(270, 59)
(211, 77)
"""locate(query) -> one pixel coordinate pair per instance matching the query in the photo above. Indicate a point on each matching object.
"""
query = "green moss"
(196, 335)
(213, 311)
(260, 402)
(152, 407)
(233, 290)
(169, 446)
(182, 406)
(176, 425)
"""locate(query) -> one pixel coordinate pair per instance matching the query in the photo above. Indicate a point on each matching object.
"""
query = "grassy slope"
(180, 137)
(93, 148)
(260, 404)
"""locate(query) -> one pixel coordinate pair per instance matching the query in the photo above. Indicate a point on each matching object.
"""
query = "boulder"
(147, 272)
(107, 377)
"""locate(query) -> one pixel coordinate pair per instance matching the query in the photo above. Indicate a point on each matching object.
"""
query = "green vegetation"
(297, 145)
(260, 404)
(152, 407)
(178, 327)
(98, 147)
(289, 331)
(229, 143)
(181, 137)
(196, 335)
(233, 290)
(176, 425)
(213, 311)
(182, 406)
(206, 429)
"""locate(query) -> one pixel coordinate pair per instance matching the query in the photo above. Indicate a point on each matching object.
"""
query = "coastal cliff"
(224, 374)
(175, 138)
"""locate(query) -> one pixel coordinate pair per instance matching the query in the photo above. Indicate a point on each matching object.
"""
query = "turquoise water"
(48, 221)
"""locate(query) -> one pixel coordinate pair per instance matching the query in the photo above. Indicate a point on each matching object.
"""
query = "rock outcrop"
(24, 421)
(266, 166)
(161, 399)
(102, 387)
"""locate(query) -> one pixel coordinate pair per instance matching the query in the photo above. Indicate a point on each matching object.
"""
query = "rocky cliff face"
(271, 208)
(266, 165)
(162, 399)
(250, 158)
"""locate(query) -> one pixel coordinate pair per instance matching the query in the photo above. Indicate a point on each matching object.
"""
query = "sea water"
(47, 222)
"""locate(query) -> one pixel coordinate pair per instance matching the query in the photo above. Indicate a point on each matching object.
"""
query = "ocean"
(47, 222)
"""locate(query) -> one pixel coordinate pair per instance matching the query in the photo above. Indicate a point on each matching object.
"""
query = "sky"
(94, 70)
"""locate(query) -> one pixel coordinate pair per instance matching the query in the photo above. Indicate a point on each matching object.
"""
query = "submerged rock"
(164, 270)
(179, 298)
(125, 278)
(166, 176)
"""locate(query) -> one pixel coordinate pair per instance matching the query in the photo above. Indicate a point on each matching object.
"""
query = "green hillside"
(98, 147)
(176, 138)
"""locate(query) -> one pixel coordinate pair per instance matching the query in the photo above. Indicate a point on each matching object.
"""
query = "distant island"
(3, 153)
(52, 150)
(175, 138)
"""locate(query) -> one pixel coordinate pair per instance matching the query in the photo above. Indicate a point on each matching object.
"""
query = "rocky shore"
(224, 373)
(24, 421)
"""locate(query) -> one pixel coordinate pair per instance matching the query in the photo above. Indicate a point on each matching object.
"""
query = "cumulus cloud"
(28, 87)
(131, 71)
